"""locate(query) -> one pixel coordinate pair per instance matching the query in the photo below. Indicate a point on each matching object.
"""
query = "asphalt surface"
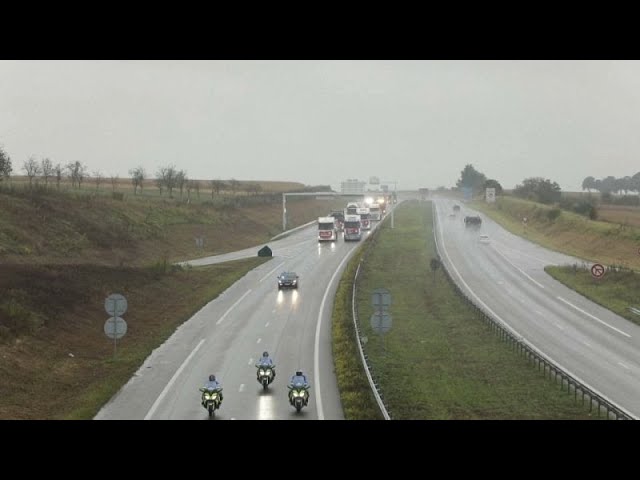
(229, 334)
(506, 275)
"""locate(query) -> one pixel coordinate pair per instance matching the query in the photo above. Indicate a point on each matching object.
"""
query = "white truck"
(375, 212)
(365, 218)
(352, 228)
(351, 208)
(327, 229)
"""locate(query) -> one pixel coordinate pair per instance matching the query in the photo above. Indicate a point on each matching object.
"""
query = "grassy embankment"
(610, 244)
(62, 253)
(439, 361)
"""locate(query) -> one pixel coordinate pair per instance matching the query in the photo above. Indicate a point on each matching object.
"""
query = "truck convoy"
(352, 228)
(339, 216)
(365, 218)
(375, 212)
(351, 209)
(327, 229)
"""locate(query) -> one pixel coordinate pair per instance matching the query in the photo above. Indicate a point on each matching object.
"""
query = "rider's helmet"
(298, 373)
(212, 378)
(265, 354)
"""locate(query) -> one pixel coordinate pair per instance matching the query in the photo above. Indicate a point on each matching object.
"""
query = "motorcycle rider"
(213, 384)
(266, 361)
(299, 377)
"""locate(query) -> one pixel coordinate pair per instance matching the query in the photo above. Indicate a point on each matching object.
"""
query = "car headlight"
(294, 282)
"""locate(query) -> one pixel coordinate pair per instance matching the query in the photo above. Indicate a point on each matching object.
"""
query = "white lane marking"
(586, 343)
(518, 268)
(266, 324)
(559, 326)
(539, 312)
(502, 245)
(270, 272)
(595, 318)
(241, 389)
(259, 340)
(316, 353)
(173, 379)
(625, 366)
(250, 361)
(232, 307)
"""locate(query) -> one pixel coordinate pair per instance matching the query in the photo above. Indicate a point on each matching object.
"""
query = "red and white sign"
(597, 270)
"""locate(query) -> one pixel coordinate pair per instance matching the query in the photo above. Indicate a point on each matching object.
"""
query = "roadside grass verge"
(358, 402)
(69, 353)
(617, 290)
(439, 360)
(569, 233)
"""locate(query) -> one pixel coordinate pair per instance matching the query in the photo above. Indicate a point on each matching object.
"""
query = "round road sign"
(115, 327)
(115, 305)
(597, 270)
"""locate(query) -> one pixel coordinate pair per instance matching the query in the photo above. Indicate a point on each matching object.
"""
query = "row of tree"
(612, 184)
(167, 178)
(477, 181)
(538, 189)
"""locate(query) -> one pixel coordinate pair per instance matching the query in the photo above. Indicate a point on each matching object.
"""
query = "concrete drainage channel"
(523, 347)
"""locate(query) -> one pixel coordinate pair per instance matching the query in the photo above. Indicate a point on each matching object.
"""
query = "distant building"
(352, 187)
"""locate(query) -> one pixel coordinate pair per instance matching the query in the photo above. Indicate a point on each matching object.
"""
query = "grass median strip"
(439, 360)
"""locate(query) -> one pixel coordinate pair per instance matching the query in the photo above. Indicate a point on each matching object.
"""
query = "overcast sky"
(321, 122)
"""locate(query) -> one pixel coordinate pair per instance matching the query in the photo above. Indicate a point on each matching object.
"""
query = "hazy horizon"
(322, 122)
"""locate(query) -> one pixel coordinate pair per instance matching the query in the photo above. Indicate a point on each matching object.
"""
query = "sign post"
(115, 327)
(381, 319)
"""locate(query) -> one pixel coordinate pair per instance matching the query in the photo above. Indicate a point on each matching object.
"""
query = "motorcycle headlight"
(263, 372)
(298, 393)
(207, 396)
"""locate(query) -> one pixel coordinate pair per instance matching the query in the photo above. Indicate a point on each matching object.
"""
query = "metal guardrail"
(634, 310)
(523, 347)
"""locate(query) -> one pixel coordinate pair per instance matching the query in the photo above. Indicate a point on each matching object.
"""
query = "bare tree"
(32, 168)
(166, 177)
(160, 178)
(5, 164)
(97, 176)
(138, 175)
(114, 182)
(47, 170)
(77, 173)
(216, 185)
(181, 180)
(189, 185)
(57, 170)
(196, 187)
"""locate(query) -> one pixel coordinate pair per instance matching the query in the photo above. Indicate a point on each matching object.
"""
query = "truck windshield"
(352, 224)
(326, 226)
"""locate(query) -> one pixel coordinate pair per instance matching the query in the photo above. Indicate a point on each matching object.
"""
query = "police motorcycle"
(266, 374)
(211, 399)
(298, 395)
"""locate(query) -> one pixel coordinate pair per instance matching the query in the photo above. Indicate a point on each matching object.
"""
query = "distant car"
(484, 238)
(288, 280)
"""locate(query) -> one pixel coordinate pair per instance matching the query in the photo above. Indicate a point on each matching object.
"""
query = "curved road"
(507, 275)
(228, 335)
